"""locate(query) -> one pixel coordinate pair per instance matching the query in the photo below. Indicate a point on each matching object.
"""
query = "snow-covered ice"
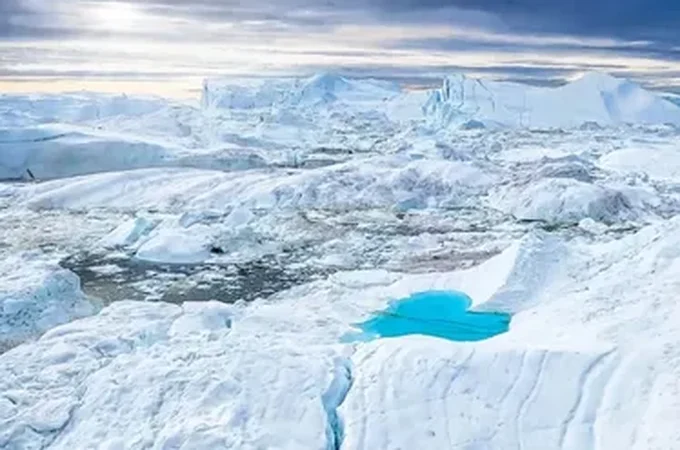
(36, 296)
(274, 215)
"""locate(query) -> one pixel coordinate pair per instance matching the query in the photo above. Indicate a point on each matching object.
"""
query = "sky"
(168, 46)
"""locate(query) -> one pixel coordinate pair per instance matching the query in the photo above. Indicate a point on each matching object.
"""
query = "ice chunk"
(566, 201)
(36, 296)
(158, 375)
(177, 245)
(239, 218)
(209, 317)
(129, 233)
(657, 161)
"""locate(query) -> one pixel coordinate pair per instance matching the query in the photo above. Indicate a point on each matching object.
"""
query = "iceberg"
(319, 90)
(279, 214)
(594, 98)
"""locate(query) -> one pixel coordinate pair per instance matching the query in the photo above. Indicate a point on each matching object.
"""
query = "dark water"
(124, 278)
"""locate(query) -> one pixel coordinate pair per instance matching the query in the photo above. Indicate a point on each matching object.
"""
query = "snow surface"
(210, 375)
(279, 213)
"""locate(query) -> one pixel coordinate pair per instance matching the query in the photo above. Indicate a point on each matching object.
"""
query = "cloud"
(623, 19)
(626, 19)
(38, 19)
(502, 38)
(15, 19)
(653, 20)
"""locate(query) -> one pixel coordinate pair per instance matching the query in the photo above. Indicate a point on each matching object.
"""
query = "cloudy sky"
(173, 43)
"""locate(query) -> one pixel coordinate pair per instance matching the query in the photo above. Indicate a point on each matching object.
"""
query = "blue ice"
(442, 314)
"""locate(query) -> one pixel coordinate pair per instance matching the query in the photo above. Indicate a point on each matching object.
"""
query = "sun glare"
(116, 16)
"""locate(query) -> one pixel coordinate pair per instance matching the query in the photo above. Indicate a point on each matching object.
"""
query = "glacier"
(184, 274)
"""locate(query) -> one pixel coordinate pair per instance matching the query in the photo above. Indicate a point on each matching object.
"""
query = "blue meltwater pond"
(441, 314)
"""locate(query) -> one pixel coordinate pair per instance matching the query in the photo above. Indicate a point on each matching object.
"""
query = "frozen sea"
(338, 263)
